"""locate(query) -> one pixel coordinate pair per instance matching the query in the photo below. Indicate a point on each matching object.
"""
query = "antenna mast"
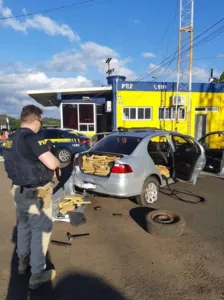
(185, 59)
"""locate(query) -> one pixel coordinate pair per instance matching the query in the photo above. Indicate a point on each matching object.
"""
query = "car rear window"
(117, 144)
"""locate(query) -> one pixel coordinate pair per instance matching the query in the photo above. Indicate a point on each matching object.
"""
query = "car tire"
(164, 223)
(147, 200)
(64, 155)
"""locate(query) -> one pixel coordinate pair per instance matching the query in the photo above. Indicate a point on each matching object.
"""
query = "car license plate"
(88, 185)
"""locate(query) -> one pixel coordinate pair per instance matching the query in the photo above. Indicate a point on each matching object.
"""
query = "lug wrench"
(70, 238)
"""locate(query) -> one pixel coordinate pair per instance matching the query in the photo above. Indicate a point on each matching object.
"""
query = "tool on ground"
(70, 238)
(117, 214)
(97, 208)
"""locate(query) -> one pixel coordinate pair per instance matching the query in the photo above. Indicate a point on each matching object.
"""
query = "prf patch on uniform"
(42, 142)
(7, 144)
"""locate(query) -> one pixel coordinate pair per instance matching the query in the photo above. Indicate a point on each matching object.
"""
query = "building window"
(165, 113)
(169, 113)
(207, 109)
(181, 113)
(137, 113)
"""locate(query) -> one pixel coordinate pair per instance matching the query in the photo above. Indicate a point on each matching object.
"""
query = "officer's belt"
(30, 187)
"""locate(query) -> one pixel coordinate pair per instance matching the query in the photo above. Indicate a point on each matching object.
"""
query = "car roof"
(147, 133)
(62, 129)
(55, 128)
(141, 134)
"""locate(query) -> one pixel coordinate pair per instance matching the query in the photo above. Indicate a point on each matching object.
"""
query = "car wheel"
(150, 192)
(164, 223)
(64, 155)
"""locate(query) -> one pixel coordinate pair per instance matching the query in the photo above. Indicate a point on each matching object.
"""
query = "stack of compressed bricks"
(97, 164)
(69, 203)
(163, 170)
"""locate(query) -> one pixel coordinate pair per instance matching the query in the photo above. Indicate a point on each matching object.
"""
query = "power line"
(50, 10)
(211, 57)
(202, 41)
(165, 61)
(159, 65)
(211, 36)
(174, 57)
(174, 18)
(170, 25)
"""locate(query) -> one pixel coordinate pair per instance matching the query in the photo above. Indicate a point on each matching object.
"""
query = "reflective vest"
(21, 170)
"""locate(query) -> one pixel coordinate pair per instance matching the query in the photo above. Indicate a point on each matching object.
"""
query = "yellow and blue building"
(138, 104)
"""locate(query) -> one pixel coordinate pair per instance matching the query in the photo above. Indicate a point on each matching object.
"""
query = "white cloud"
(14, 88)
(90, 54)
(148, 54)
(37, 22)
(199, 74)
(65, 61)
(94, 50)
(221, 55)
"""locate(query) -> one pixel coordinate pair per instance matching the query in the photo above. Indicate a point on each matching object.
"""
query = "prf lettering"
(7, 144)
(42, 142)
(127, 86)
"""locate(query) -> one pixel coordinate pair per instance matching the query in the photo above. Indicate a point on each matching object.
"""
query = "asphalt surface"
(120, 260)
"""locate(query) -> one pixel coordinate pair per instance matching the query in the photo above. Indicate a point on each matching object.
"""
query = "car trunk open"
(99, 164)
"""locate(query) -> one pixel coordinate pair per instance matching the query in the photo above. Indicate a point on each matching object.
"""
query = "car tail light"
(121, 169)
(83, 142)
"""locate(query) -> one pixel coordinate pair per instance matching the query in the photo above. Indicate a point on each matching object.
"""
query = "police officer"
(31, 167)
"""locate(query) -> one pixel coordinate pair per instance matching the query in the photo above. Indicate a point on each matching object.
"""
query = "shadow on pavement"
(84, 286)
(65, 174)
(81, 286)
(71, 286)
(182, 195)
(139, 214)
(18, 284)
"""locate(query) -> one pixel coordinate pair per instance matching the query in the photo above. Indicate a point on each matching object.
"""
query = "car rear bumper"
(123, 185)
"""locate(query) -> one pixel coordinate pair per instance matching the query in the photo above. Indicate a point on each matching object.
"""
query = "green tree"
(47, 122)
(13, 123)
(221, 80)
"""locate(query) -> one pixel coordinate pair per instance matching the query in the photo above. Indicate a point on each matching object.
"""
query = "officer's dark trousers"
(34, 228)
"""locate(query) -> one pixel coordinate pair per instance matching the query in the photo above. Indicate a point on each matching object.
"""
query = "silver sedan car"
(135, 172)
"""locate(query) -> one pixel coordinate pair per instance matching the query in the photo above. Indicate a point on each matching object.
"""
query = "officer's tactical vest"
(23, 171)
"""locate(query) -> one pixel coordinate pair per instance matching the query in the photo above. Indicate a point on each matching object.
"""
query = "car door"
(69, 140)
(52, 135)
(189, 158)
(213, 144)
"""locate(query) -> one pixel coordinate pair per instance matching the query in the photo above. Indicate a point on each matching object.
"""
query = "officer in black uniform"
(31, 167)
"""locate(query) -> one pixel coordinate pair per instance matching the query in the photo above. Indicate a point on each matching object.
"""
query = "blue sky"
(67, 48)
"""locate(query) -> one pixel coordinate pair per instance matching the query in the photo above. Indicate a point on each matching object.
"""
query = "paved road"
(120, 260)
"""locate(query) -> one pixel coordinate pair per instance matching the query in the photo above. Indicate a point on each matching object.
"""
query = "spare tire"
(164, 223)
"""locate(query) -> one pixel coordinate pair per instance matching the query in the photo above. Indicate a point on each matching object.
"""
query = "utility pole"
(109, 70)
(185, 56)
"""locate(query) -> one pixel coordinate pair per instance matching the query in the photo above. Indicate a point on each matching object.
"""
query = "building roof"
(52, 97)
